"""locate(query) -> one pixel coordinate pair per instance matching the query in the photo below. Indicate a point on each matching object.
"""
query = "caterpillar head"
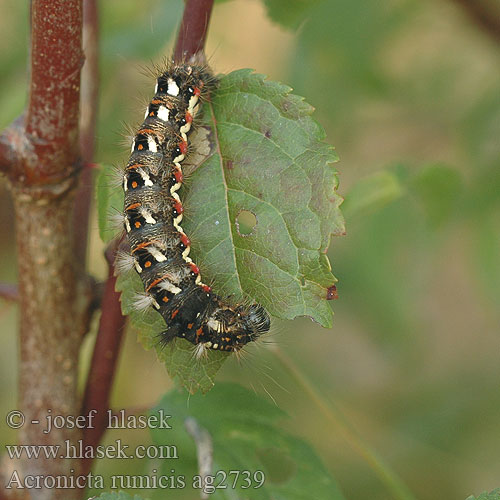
(233, 328)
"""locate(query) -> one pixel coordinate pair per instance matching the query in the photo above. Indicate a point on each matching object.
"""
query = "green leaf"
(289, 13)
(493, 495)
(109, 201)
(438, 188)
(267, 160)
(116, 496)
(372, 193)
(247, 434)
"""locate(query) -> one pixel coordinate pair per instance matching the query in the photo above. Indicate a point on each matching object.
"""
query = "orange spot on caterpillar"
(194, 268)
(133, 206)
(199, 332)
(156, 101)
(331, 293)
(183, 146)
(134, 166)
(140, 147)
(137, 224)
(142, 245)
(174, 314)
(146, 131)
(178, 175)
(178, 207)
(147, 264)
(152, 113)
(165, 299)
(185, 240)
(206, 288)
(134, 184)
(189, 117)
(190, 325)
(158, 280)
(197, 91)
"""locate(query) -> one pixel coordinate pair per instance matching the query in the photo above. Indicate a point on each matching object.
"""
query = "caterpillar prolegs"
(159, 248)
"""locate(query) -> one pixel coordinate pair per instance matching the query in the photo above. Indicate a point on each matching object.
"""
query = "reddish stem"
(53, 108)
(484, 15)
(193, 30)
(88, 119)
(103, 364)
(9, 291)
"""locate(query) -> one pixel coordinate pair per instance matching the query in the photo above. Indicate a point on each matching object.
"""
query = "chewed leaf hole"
(246, 222)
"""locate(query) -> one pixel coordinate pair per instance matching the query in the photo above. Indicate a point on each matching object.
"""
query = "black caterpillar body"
(159, 248)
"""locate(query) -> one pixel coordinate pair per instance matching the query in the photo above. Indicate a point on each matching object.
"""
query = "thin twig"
(104, 360)
(88, 119)
(486, 17)
(204, 452)
(193, 30)
(9, 291)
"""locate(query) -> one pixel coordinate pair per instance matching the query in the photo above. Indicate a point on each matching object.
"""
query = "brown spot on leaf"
(331, 293)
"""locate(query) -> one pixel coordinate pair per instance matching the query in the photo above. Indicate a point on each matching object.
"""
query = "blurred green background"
(409, 93)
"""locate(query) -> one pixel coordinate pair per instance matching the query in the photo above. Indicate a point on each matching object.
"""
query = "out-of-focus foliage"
(492, 495)
(408, 91)
(246, 434)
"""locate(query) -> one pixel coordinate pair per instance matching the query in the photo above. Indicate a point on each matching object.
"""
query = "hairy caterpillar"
(159, 248)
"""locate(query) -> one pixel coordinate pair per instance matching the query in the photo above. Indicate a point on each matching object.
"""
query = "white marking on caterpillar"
(200, 351)
(214, 324)
(175, 196)
(156, 87)
(175, 187)
(133, 146)
(185, 129)
(138, 268)
(195, 110)
(147, 216)
(124, 262)
(125, 180)
(169, 287)
(172, 87)
(186, 252)
(145, 175)
(152, 145)
(179, 158)
(159, 257)
(117, 220)
(143, 301)
(192, 102)
(163, 113)
(146, 114)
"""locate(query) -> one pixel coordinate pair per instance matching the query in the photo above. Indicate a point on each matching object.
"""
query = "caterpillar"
(153, 211)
